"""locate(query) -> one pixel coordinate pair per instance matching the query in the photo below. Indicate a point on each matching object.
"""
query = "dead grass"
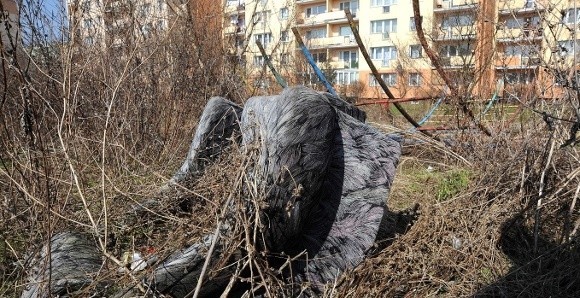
(479, 241)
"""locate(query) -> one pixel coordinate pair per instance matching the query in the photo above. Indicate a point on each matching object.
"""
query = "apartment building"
(508, 47)
(115, 24)
(8, 24)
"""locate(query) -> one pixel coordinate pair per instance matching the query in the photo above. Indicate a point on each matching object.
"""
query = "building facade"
(9, 25)
(115, 24)
(509, 47)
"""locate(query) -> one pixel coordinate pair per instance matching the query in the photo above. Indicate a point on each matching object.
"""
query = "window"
(284, 13)
(522, 50)
(572, 16)
(316, 33)
(350, 59)
(86, 5)
(415, 51)
(532, 22)
(264, 38)
(448, 51)
(319, 57)
(88, 23)
(284, 58)
(315, 10)
(346, 77)
(412, 24)
(462, 49)
(261, 17)
(89, 40)
(384, 53)
(519, 77)
(258, 60)
(345, 31)
(389, 78)
(458, 21)
(284, 37)
(566, 47)
(414, 79)
(160, 25)
(382, 26)
(351, 5)
(383, 2)
(146, 30)
(144, 10)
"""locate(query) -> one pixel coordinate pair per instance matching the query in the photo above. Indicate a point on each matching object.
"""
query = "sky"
(42, 20)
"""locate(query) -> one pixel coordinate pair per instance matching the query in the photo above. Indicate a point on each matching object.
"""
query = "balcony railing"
(234, 29)
(455, 5)
(517, 62)
(519, 34)
(519, 6)
(457, 61)
(331, 42)
(324, 18)
(454, 33)
(309, 1)
(341, 64)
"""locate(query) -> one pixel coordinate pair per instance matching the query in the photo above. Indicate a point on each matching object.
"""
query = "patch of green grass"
(452, 183)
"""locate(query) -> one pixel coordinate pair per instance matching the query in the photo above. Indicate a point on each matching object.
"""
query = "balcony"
(234, 29)
(334, 42)
(454, 33)
(457, 61)
(516, 35)
(235, 9)
(520, 7)
(454, 5)
(517, 62)
(333, 17)
(341, 64)
(310, 1)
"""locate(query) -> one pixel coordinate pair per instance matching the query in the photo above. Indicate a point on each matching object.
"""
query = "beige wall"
(9, 18)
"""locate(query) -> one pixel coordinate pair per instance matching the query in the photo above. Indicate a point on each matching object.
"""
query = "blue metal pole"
(310, 60)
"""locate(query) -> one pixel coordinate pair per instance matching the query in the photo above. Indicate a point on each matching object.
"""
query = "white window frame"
(352, 57)
(317, 57)
(340, 33)
(259, 60)
(419, 51)
(414, 79)
(284, 13)
(284, 59)
(285, 36)
(315, 10)
(384, 26)
(389, 78)
(412, 26)
(385, 53)
(376, 3)
(264, 38)
(316, 33)
(346, 77)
